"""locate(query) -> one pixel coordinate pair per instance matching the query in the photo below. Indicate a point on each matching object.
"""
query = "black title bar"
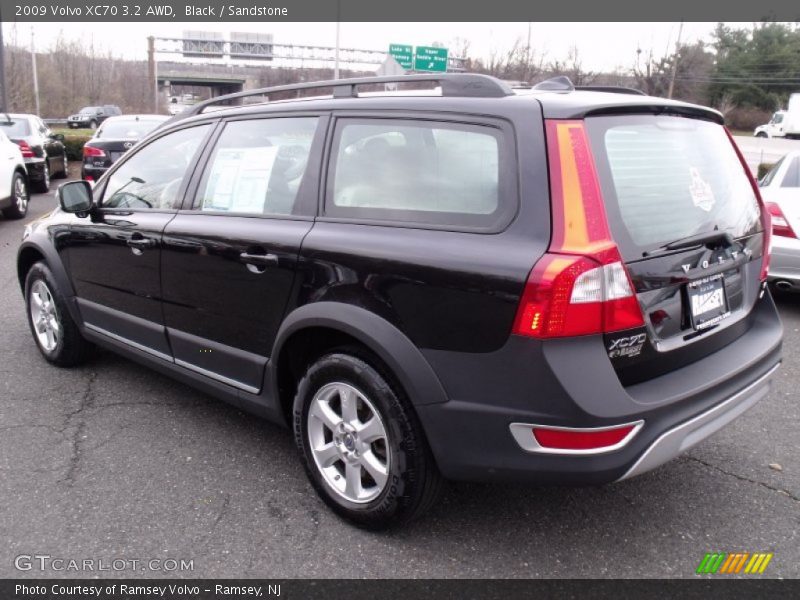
(383, 589)
(393, 10)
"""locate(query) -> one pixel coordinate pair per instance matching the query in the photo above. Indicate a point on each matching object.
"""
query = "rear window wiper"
(697, 239)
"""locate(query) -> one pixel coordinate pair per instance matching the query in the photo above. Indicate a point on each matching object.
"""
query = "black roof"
(460, 92)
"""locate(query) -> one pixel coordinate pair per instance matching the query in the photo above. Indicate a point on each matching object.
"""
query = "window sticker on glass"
(239, 179)
(700, 190)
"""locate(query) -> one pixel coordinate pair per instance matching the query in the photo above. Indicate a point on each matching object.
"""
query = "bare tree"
(572, 67)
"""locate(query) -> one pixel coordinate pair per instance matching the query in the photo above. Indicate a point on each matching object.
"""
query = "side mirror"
(76, 197)
(59, 137)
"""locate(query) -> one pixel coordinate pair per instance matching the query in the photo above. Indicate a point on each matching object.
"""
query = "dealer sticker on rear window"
(700, 190)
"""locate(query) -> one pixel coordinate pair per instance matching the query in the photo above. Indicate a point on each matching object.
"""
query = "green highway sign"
(404, 55)
(428, 58)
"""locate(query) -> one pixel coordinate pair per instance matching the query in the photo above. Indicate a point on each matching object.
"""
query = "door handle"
(261, 260)
(141, 243)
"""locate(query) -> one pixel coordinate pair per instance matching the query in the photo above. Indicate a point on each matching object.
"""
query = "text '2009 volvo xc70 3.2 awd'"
(555, 284)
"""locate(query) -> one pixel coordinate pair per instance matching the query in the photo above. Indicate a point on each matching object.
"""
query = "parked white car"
(772, 129)
(14, 194)
(780, 189)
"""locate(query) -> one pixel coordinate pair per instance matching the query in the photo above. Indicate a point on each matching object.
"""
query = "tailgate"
(687, 222)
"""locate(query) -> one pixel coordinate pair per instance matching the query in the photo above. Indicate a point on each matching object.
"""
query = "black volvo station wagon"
(554, 284)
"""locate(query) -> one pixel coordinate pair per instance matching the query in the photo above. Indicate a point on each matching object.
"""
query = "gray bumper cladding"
(679, 439)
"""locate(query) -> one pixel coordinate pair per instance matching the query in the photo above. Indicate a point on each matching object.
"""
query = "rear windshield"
(15, 127)
(665, 178)
(132, 129)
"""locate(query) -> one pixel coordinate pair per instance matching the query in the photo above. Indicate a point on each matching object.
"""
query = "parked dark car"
(92, 116)
(43, 150)
(558, 285)
(114, 138)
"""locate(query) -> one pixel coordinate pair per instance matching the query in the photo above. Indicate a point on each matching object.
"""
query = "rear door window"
(419, 172)
(665, 178)
(258, 166)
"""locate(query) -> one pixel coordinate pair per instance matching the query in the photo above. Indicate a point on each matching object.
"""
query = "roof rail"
(561, 83)
(613, 89)
(470, 85)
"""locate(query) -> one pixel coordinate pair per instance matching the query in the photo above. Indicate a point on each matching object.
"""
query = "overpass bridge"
(206, 59)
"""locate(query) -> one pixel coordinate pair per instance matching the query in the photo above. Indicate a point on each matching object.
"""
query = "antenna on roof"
(555, 84)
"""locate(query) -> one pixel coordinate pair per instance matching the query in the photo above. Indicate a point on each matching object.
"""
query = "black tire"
(761, 134)
(70, 347)
(43, 185)
(414, 483)
(64, 172)
(19, 207)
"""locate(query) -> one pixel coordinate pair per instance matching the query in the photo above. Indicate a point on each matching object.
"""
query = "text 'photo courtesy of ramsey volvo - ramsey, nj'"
(556, 284)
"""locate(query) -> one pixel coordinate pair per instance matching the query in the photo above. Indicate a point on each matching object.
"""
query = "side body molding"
(381, 337)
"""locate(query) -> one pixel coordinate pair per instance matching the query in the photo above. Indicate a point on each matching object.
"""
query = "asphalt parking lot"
(112, 460)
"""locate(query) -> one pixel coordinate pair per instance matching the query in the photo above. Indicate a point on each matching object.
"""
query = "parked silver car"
(780, 188)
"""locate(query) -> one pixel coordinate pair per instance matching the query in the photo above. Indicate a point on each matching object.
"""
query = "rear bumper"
(784, 263)
(35, 168)
(92, 171)
(679, 439)
(471, 436)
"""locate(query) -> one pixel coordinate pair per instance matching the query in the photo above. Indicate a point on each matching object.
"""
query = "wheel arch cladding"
(344, 322)
(30, 253)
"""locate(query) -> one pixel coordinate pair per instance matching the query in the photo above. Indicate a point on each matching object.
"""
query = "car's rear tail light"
(25, 148)
(88, 178)
(92, 152)
(580, 286)
(780, 226)
(547, 439)
(765, 215)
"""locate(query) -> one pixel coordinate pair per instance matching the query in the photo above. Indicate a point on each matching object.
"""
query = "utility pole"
(4, 96)
(675, 62)
(528, 54)
(336, 52)
(35, 75)
(152, 74)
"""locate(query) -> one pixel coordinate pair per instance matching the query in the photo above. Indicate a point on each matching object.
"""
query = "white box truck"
(791, 121)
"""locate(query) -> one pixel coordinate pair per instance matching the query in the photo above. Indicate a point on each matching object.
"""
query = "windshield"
(767, 179)
(132, 129)
(666, 178)
(16, 127)
(88, 109)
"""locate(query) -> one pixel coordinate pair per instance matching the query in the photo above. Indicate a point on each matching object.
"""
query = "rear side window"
(665, 178)
(419, 172)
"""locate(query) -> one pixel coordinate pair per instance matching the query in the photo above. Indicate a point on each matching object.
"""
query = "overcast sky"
(602, 46)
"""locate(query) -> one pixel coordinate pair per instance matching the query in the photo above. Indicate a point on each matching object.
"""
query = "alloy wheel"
(44, 316)
(20, 195)
(348, 441)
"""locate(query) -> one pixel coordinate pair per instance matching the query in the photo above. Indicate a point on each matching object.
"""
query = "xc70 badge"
(629, 346)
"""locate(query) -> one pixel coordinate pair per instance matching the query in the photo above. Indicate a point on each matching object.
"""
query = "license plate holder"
(708, 304)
